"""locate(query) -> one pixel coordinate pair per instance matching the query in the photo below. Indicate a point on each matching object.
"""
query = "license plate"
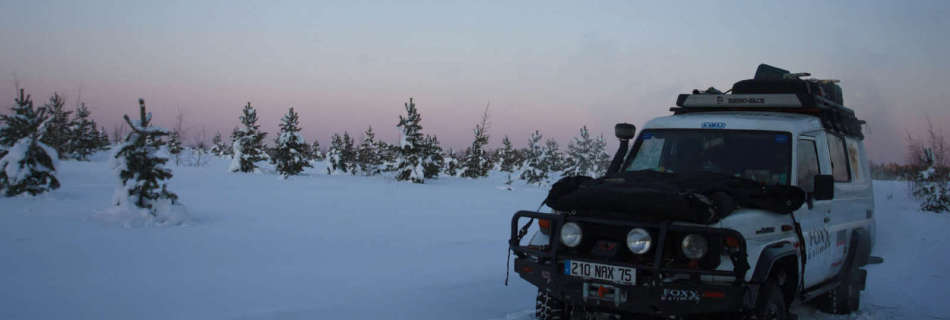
(597, 271)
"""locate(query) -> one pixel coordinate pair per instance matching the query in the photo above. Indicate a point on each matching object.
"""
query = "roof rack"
(777, 90)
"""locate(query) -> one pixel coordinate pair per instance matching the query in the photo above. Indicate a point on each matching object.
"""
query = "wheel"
(549, 308)
(771, 303)
(846, 298)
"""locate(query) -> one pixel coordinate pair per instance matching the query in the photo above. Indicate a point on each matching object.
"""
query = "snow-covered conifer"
(507, 156)
(588, 156)
(289, 154)
(341, 155)
(553, 159)
(84, 135)
(368, 156)
(27, 165)
(476, 162)
(174, 146)
(57, 133)
(104, 142)
(248, 142)
(432, 160)
(217, 145)
(534, 169)
(335, 155)
(349, 154)
(315, 152)
(141, 168)
(409, 161)
(450, 164)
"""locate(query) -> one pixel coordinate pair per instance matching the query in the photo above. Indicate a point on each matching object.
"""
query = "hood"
(701, 197)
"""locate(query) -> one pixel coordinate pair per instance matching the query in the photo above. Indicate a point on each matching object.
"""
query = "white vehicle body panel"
(826, 227)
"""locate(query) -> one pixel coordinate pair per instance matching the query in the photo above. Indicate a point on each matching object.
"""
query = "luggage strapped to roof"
(778, 90)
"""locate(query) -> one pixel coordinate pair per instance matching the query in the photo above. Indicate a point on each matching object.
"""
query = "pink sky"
(547, 66)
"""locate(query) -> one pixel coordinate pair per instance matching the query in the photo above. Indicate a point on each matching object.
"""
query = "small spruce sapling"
(85, 138)
(57, 133)
(141, 169)
(27, 165)
(289, 154)
(248, 142)
(368, 156)
(408, 164)
(535, 170)
(476, 162)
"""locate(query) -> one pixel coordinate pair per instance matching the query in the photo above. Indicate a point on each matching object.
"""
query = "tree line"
(33, 139)
(417, 157)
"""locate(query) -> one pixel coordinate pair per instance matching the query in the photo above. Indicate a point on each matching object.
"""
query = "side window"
(854, 159)
(839, 159)
(807, 164)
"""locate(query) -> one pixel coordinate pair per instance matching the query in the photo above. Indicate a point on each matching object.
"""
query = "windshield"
(761, 156)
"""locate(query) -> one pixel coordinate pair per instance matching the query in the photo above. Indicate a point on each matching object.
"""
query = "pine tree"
(248, 142)
(315, 153)
(57, 130)
(409, 162)
(432, 160)
(104, 142)
(368, 156)
(217, 144)
(535, 169)
(476, 163)
(507, 157)
(335, 155)
(451, 166)
(84, 135)
(552, 158)
(26, 163)
(175, 147)
(588, 156)
(289, 155)
(349, 155)
(141, 170)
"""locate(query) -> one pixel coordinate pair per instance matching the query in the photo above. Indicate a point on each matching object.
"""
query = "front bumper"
(655, 292)
(678, 298)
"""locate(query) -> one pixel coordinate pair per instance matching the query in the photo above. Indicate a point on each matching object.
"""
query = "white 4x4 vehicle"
(738, 204)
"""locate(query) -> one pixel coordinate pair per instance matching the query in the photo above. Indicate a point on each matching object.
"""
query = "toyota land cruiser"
(737, 204)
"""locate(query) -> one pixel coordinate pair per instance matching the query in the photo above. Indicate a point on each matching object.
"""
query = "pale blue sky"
(545, 65)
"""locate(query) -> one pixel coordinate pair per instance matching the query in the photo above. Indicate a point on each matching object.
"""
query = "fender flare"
(769, 257)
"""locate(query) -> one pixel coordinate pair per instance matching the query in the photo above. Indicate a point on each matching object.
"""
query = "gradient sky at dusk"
(545, 65)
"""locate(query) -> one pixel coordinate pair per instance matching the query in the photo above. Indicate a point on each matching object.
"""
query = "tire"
(844, 299)
(549, 308)
(771, 303)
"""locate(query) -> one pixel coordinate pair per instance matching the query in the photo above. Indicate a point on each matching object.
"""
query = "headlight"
(571, 234)
(695, 246)
(639, 240)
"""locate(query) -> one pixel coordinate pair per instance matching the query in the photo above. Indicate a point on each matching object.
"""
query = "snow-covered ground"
(347, 247)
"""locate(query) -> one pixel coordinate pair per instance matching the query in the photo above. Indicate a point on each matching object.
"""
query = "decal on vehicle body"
(714, 125)
(680, 295)
(765, 230)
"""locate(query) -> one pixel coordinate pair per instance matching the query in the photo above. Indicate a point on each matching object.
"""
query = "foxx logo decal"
(680, 295)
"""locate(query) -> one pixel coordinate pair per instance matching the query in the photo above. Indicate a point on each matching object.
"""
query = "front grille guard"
(740, 266)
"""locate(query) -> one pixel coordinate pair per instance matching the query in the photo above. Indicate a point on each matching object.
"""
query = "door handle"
(827, 219)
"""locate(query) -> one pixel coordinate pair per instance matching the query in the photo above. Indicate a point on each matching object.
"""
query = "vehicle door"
(812, 159)
(853, 204)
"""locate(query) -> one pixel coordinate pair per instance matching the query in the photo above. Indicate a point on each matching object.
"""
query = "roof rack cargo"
(778, 90)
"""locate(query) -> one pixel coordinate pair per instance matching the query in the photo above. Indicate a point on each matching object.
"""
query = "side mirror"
(625, 131)
(824, 187)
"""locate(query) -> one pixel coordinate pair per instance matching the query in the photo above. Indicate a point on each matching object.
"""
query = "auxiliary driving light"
(571, 234)
(639, 240)
(695, 246)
